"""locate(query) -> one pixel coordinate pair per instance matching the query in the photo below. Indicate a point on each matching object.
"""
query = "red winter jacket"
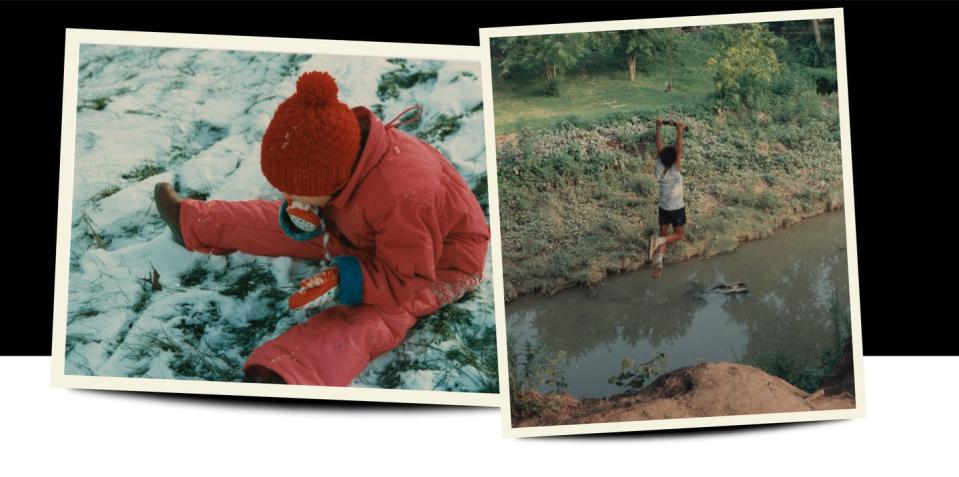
(417, 232)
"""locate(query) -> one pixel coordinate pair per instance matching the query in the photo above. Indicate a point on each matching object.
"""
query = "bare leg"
(677, 235)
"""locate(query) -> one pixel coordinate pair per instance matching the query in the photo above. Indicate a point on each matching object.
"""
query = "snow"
(141, 305)
(420, 379)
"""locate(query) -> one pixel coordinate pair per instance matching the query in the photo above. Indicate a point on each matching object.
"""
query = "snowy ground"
(141, 305)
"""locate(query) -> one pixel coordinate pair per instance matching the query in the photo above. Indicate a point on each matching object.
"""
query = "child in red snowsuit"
(403, 232)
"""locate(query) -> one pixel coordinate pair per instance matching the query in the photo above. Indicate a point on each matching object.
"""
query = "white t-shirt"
(670, 187)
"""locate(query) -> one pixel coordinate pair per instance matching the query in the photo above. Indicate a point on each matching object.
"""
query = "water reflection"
(792, 279)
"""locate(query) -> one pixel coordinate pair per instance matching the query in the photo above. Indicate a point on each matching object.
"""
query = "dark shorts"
(676, 218)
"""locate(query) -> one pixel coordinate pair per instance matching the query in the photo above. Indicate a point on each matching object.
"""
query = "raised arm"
(659, 136)
(680, 127)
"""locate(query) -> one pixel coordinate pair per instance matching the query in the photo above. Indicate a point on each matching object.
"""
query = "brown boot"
(168, 204)
(262, 374)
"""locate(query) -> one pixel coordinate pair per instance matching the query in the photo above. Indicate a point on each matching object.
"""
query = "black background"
(900, 58)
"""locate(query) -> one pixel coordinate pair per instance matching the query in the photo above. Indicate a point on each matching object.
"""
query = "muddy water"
(793, 278)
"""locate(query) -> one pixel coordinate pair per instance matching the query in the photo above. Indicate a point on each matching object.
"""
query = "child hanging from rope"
(397, 229)
(669, 174)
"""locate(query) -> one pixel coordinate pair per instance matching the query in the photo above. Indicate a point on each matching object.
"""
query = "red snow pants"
(332, 347)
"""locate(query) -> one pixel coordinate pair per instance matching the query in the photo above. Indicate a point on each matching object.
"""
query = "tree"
(645, 45)
(746, 64)
(553, 53)
(815, 27)
(809, 42)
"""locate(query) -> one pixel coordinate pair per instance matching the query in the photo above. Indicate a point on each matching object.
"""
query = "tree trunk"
(549, 76)
(631, 60)
(815, 29)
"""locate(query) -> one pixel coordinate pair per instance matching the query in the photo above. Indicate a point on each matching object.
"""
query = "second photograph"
(674, 222)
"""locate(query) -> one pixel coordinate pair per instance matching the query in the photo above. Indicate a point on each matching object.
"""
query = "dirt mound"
(706, 389)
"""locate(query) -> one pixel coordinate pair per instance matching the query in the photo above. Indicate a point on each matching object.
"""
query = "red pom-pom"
(316, 88)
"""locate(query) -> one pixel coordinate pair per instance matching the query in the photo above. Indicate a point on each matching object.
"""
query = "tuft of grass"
(132, 228)
(195, 194)
(252, 277)
(143, 171)
(404, 77)
(481, 191)
(190, 357)
(196, 275)
(98, 103)
(644, 184)
(439, 129)
(633, 376)
(142, 299)
(199, 136)
(104, 193)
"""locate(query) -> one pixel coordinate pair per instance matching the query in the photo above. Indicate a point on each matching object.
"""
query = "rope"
(393, 123)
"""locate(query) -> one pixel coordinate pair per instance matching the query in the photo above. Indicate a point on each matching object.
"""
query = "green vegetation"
(577, 195)
(106, 192)
(143, 171)
(244, 280)
(745, 65)
(810, 376)
(449, 340)
(195, 275)
(404, 77)
(633, 376)
(481, 191)
(200, 136)
(548, 53)
(532, 367)
(98, 103)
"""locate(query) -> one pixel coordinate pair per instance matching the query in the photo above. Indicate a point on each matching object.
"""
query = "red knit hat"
(311, 144)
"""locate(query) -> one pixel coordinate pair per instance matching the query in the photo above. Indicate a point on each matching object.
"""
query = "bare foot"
(657, 272)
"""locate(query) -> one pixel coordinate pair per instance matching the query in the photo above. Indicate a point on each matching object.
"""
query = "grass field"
(594, 93)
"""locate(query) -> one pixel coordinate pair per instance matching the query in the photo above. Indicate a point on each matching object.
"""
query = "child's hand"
(304, 216)
(301, 222)
(318, 290)
(680, 126)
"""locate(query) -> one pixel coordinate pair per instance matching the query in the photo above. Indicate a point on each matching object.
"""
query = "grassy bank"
(578, 199)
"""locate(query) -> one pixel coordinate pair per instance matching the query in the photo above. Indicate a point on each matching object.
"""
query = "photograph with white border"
(673, 223)
(274, 217)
